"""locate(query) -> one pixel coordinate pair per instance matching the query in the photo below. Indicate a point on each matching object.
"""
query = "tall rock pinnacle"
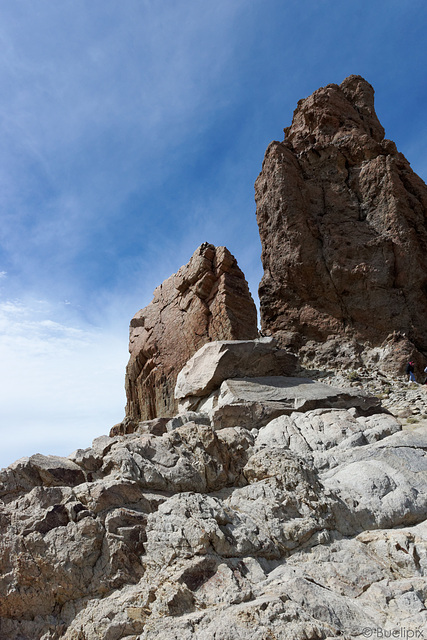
(207, 299)
(342, 219)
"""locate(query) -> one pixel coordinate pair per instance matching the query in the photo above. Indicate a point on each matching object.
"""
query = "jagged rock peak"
(342, 220)
(335, 110)
(207, 299)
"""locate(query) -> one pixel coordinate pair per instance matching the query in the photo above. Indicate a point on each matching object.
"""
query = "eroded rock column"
(342, 220)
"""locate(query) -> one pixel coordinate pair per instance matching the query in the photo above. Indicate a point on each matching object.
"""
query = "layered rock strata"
(310, 526)
(342, 220)
(207, 299)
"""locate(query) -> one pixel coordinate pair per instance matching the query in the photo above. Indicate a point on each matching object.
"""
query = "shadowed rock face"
(207, 299)
(342, 219)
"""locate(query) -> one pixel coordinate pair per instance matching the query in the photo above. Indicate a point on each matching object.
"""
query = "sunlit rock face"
(342, 219)
(207, 299)
(300, 517)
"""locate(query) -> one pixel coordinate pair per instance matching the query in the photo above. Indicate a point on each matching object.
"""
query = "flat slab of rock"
(259, 400)
(223, 359)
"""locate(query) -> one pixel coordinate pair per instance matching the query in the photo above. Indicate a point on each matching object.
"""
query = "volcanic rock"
(255, 401)
(220, 360)
(272, 505)
(342, 219)
(207, 299)
(233, 533)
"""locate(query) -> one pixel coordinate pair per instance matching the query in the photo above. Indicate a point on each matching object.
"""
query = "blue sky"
(131, 132)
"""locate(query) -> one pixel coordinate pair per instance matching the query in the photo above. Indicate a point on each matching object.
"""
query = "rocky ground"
(278, 508)
(407, 401)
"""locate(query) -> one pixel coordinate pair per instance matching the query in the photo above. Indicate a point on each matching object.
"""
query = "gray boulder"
(218, 361)
(382, 485)
(38, 470)
(325, 434)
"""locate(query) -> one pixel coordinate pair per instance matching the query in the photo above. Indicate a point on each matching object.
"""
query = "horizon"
(131, 135)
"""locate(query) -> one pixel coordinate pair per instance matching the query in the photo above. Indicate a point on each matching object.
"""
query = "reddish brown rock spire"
(342, 219)
(208, 299)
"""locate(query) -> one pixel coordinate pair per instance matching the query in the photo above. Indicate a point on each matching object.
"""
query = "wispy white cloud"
(101, 105)
(61, 385)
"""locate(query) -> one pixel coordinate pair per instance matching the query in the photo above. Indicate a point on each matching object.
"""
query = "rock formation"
(342, 219)
(309, 524)
(208, 299)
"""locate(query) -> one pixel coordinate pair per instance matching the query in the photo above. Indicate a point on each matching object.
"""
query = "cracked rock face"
(207, 299)
(311, 525)
(342, 220)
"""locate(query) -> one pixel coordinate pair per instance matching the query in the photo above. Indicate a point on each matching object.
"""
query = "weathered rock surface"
(342, 220)
(39, 470)
(255, 401)
(311, 525)
(207, 299)
(221, 360)
(324, 434)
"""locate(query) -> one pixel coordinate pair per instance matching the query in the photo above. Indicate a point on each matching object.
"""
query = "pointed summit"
(207, 299)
